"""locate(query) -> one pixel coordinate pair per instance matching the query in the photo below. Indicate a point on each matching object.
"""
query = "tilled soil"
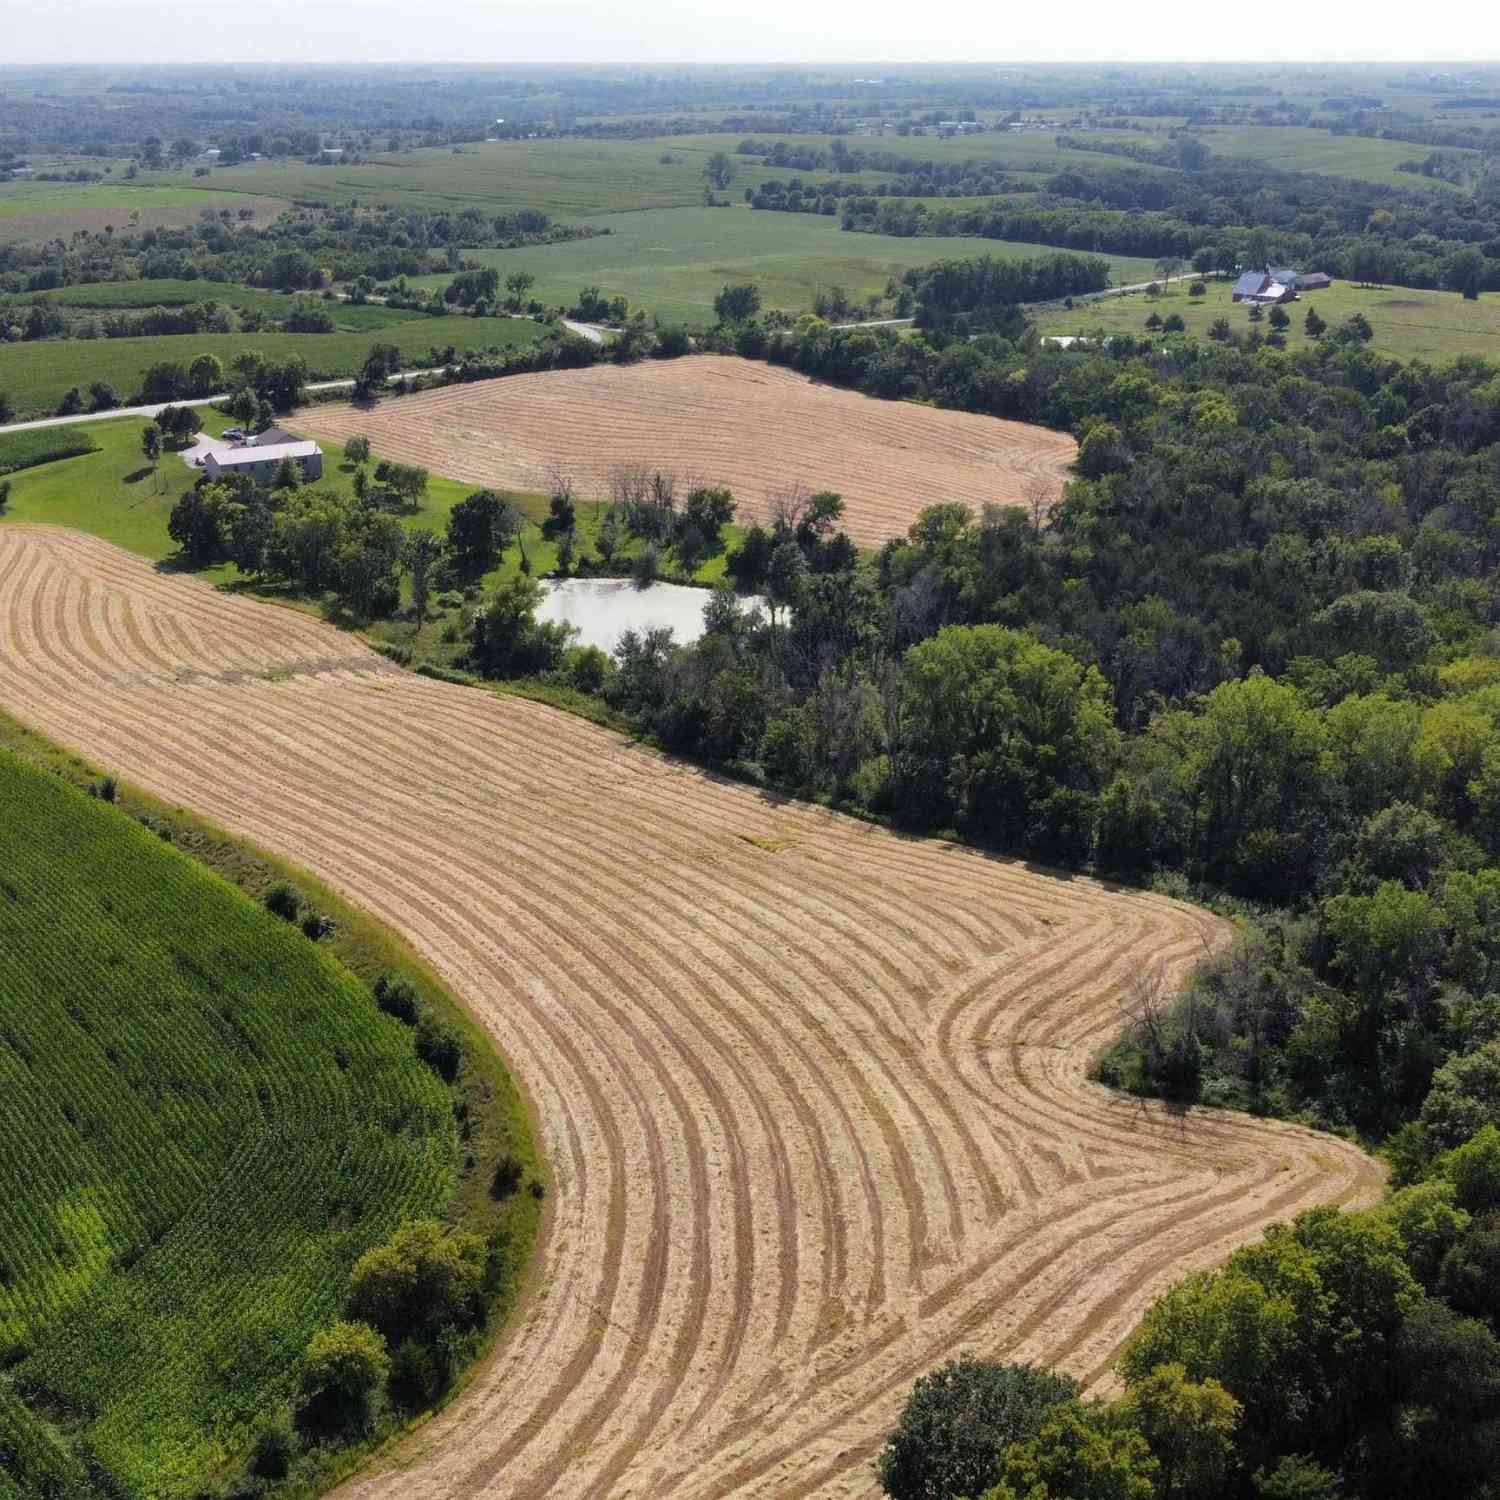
(813, 1094)
(760, 429)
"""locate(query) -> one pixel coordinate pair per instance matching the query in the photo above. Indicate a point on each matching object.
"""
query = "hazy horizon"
(668, 33)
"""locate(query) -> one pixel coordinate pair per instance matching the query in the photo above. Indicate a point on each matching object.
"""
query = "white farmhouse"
(260, 461)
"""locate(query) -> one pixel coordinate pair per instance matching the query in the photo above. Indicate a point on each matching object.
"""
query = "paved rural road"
(161, 406)
(814, 1097)
(590, 331)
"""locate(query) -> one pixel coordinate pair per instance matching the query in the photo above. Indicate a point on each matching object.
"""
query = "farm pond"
(603, 609)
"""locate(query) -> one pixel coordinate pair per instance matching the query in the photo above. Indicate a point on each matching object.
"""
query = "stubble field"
(814, 1095)
(759, 429)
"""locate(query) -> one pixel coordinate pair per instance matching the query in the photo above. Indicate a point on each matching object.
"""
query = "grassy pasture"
(1407, 323)
(1297, 148)
(218, 1121)
(116, 296)
(675, 261)
(36, 375)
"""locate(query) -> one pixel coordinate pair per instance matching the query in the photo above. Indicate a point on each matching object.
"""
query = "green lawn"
(673, 262)
(35, 376)
(175, 292)
(1410, 324)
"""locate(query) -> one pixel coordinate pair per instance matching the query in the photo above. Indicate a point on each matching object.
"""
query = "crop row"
(203, 1122)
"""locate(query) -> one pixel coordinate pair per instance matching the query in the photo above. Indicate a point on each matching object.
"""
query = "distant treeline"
(303, 250)
(1223, 216)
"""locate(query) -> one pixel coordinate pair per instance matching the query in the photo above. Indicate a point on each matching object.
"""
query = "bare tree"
(1146, 1007)
(627, 486)
(786, 509)
(1038, 496)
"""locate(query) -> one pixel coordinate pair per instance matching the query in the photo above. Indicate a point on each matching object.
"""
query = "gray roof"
(1249, 283)
(239, 458)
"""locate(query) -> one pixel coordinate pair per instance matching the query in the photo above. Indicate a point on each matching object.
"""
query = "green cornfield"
(204, 1120)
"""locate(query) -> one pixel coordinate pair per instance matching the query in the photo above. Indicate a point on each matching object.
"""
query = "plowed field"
(814, 1095)
(760, 429)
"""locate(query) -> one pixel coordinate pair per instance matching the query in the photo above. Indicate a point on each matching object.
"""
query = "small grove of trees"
(406, 482)
(958, 1422)
(278, 382)
(414, 1307)
(1016, 1432)
(480, 527)
(507, 640)
(737, 303)
(479, 287)
(311, 538)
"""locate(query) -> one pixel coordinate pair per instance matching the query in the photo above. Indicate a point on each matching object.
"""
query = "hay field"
(813, 1095)
(760, 429)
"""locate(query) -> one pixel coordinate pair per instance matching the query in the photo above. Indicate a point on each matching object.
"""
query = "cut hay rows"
(760, 429)
(814, 1095)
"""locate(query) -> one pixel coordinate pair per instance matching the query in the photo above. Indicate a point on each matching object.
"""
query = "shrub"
(315, 925)
(342, 1384)
(283, 901)
(439, 1048)
(507, 1177)
(397, 996)
(274, 1449)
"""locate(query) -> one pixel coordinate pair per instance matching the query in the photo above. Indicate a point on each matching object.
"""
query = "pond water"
(603, 609)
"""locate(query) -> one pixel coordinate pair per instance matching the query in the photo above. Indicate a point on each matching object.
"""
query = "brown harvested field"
(813, 1094)
(760, 429)
(62, 222)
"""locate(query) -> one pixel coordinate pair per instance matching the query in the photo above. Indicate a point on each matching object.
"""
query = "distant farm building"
(260, 457)
(1273, 284)
(1263, 287)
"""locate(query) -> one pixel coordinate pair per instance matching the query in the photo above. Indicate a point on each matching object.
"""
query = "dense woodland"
(1222, 214)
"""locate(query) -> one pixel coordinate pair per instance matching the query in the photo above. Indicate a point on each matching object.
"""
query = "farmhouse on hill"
(260, 457)
(1271, 284)
(1262, 286)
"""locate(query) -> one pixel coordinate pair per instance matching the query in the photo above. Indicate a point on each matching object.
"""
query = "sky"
(739, 31)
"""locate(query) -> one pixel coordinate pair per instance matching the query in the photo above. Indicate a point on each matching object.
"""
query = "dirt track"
(813, 1094)
(760, 429)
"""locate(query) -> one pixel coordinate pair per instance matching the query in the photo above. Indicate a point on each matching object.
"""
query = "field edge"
(383, 944)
